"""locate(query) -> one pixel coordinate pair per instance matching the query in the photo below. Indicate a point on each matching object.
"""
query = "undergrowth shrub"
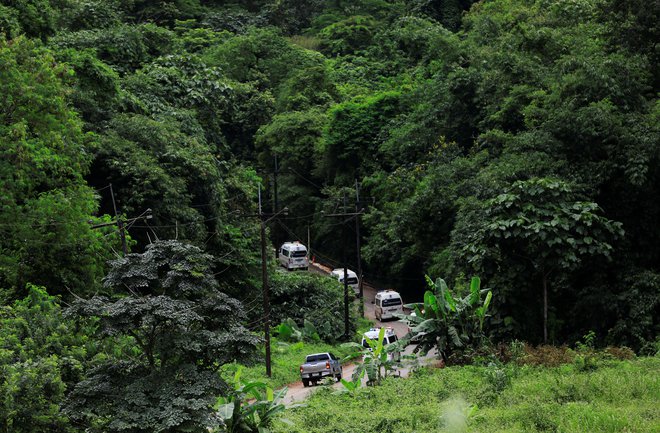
(548, 356)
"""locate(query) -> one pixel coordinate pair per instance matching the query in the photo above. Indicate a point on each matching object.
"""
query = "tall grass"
(618, 396)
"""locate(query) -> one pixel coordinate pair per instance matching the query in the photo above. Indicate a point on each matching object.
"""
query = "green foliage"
(37, 18)
(292, 16)
(251, 407)
(288, 331)
(183, 327)
(447, 322)
(45, 237)
(541, 221)
(9, 25)
(97, 93)
(352, 135)
(261, 56)
(377, 361)
(614, 398)
(41, 353)
(348, 36)
(438, 112)
(309, 300)
(636, 309)
(126, 47)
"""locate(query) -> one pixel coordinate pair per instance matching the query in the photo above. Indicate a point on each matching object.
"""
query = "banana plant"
(446, 322)
(376, 360)
(250, 408)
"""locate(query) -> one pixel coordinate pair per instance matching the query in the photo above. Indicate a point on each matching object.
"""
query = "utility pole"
(120, 223)
(264, 219)
(264, 286)
(359, 257)
(345, 214)
(276, 203)
(345, 248)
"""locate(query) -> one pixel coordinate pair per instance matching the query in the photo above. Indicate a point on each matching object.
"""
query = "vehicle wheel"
(338, 376)
(306, 268)
(305, 383)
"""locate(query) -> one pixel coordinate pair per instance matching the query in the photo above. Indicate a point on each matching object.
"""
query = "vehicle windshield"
(316, 358)
(298, 253)
(365, 343)
(392, 301)
(352, 281)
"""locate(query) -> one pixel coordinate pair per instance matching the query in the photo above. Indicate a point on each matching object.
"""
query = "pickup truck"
(320, 365)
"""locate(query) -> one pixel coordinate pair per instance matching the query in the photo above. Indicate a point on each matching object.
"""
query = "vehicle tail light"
(327, 365)
(301, 369)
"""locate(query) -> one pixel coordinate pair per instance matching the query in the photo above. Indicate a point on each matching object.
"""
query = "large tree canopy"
(168, 304)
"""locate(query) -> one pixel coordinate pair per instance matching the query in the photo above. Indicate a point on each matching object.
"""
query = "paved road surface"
(297, 392)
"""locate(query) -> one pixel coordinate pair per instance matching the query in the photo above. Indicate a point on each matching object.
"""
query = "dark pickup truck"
(318, 366)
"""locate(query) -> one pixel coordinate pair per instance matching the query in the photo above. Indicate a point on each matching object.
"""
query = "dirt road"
(297, 392)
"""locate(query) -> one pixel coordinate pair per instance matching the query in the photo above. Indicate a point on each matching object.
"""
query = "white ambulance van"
(388, 303)
(388, 338)
(352, 278)
(293, 255)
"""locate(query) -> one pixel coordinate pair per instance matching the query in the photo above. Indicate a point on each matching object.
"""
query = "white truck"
(318, 366)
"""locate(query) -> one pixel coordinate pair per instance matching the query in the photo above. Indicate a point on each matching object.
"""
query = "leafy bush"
(250, 407)
(548, 356)
(310, 298)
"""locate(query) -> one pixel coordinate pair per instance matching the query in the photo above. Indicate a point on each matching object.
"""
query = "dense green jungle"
(516, 140)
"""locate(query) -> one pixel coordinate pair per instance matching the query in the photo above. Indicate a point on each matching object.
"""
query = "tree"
(45, 205)
(540, 221)
(41, 354)
(316, 300)
(182, 329)
(449, 322)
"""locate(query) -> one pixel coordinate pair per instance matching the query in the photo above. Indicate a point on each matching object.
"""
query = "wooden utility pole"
(120, 223)
(264, 219)
(350, 215)
(264, 287)
(359, 258)
(345, 248)
(276, 203)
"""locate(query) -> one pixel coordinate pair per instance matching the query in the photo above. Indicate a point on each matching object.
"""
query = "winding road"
(297, 392)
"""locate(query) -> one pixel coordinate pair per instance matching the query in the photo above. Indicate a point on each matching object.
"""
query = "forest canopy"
(514, 140)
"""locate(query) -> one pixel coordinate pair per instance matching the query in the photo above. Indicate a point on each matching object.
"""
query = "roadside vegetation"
(610, 396)
(286, 360)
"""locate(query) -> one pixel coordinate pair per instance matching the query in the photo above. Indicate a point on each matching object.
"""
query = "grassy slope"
(620, 396)
(286, 360)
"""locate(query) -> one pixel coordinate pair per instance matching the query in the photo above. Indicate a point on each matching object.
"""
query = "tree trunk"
(545, 308)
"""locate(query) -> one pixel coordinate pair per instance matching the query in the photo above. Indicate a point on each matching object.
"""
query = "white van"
(352, 278)
(388, 303)
(293, 255)
(389, 338)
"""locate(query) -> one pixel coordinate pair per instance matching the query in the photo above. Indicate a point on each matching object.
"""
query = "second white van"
(388, 303)
(352, 278)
